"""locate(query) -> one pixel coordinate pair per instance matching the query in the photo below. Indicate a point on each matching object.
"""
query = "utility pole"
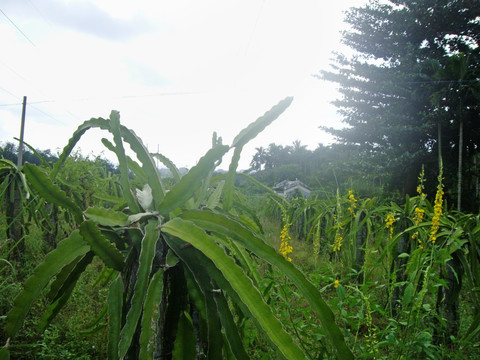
(22, 130)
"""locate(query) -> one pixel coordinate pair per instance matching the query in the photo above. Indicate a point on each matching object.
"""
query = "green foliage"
(398, 281)
(324, 169)
(67, 251)
(182, 283)
(393, 98)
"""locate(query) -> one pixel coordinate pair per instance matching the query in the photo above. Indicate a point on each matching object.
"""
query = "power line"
(40, 13)
(9, 93)
(48, 115)
(29, 103)
(254, 27)
(16, 27)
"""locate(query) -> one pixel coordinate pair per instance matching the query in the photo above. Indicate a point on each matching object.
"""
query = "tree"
(259, 159)
(459, 98)
(386, 86)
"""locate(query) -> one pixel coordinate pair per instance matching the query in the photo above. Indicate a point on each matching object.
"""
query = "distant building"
(290, 189)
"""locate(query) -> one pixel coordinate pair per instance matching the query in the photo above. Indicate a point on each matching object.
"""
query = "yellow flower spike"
(389, 221)
(285, 247)
(352, 203)
(437, 208)
(335, 284)
(421, 186)
(418, 218)
(337, 245)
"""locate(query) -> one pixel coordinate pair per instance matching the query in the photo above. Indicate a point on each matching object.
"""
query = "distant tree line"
(410, 92)
(9, 151)
(324, 170)
(410, 96)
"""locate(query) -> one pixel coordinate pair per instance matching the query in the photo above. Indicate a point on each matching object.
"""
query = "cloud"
(85, 17)
(144, 74)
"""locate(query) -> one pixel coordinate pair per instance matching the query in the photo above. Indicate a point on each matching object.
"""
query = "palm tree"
(259, 159)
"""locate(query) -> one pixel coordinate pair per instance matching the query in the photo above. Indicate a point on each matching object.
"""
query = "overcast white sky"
(176, 70)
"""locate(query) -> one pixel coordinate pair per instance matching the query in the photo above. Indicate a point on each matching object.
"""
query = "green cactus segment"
(151, 312)
(49, 191)
(106, 217)
(65, 291)
(102, 247)
(250, 296)
(115, 306)
(224, 225)
(67, 251)
(192, 181)
(185, 341)
(147, 253)
(231, 331)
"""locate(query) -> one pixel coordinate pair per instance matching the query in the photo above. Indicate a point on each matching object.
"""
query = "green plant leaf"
(170, 166)
(49, 191)
(65, 291)
(148, 163)
(122, 161)
(102, 247)
(106, 274)
(247, 134)
(171, 260)
(36, 153)
(252, 130)
(185, 341)
(408, 295)
(189, 232)
(230, 183)
(201, 273)
(192, 181)
(4, 353)
(108, 198)
(138, 172)
(214, 199)
(92, 123)
(92, 324)
(224, 225)
(115, 306)
(228, 324)
(66, 251)
(60, 279)
(341, 292)
(106, 217)
(147, 253)
(151, 312)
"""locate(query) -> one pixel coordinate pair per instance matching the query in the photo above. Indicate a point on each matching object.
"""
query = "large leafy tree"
(458, 100)
(386, 86)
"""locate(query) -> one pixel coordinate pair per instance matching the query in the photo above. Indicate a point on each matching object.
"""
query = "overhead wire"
(16, 27)
(260, 10)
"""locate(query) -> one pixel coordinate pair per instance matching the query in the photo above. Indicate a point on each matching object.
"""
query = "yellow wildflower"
(418, 218)
(335, 284)
(337, 245)
(285, 247)
(437, 208)
(352, 203)
(421, 186)
(390, 220)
